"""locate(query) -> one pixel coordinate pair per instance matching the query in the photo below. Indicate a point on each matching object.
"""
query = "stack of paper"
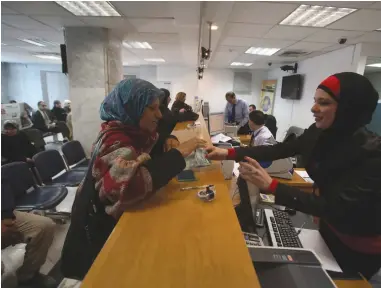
(220, 138)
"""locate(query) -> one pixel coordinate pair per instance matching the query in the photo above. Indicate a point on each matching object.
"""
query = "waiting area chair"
(75, 155)
(51, 169)
(28, 196)
(36, 137)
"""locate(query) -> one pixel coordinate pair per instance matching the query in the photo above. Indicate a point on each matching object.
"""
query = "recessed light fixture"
(154, 60)
(38, 42)
(50, 56)
(3, 44)
(379, 29)
(378, 65)
(89, 8)
(262, 51)
(316, 16)
(137, 45)
(214, 27)
(241, 64)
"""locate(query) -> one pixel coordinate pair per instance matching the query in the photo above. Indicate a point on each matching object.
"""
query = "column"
(95, 66)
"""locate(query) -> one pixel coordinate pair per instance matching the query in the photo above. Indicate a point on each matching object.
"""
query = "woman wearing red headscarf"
(344, 160)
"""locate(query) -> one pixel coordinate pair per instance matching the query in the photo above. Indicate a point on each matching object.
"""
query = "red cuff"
(273, 186)
(231, 154)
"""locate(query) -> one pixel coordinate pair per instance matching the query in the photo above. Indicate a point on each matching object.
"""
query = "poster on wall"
(267, 98)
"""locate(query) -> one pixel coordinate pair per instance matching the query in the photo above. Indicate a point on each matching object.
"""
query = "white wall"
(27, 83)
(4, 83)
(297, 112)
(375, 78)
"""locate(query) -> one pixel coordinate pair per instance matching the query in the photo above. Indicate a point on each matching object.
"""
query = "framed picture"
(267, 98)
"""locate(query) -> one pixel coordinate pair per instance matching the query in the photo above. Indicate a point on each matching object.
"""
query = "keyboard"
(282, 231)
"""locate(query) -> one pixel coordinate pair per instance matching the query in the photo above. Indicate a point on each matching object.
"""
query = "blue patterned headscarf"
(127, 101)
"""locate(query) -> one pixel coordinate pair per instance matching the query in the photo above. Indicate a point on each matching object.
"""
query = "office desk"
(245, 139)
(298, 182)
(176, 240)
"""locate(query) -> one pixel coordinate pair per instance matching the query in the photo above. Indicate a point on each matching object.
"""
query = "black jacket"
(17, 148)
(348, 178)
(59, 113)
(39, 122)
(188, 115)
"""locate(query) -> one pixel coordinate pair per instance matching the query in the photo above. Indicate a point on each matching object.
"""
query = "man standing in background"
(237, 113)
(252, 108)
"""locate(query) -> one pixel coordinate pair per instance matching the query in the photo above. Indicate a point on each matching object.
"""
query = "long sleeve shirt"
(241, 113)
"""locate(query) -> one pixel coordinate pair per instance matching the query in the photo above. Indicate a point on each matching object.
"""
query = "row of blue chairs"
(48, 190)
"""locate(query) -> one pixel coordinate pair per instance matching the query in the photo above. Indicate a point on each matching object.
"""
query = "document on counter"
(235, 169)
(304, 175)
(311, 239)
(220, 138)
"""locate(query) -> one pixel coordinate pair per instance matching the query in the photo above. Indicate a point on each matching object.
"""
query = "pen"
(194, 187)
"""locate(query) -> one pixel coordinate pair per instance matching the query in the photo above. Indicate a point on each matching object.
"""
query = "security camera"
(270, 63)
(342, 40)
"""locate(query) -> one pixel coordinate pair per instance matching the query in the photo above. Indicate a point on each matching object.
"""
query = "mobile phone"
(186, 176)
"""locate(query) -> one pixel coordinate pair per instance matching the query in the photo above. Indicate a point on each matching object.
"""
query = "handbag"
(90, 226)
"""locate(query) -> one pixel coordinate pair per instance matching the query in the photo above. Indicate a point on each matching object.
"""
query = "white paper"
(220, 138)
(311, 239)
(235, 169)
(302, 173)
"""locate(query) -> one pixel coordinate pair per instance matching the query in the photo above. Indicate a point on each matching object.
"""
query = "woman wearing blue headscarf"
(123, 170)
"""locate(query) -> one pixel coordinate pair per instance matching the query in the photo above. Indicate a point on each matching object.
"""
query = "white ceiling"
(172, 29)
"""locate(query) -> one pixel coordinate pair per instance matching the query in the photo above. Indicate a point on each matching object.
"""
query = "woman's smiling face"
(324, 109)
(151, 116)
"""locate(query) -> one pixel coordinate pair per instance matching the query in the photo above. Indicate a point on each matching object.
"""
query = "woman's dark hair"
(258, 117)
(254, 107)
(10, 125)
(230, 94)
(172, 137)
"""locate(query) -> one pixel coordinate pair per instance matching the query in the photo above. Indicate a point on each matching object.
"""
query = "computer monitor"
(246, 210)
(216, 123)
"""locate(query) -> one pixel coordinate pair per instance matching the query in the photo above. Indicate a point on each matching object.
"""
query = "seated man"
(237, 113)
(252, 108)
(34, 230)
(44, 121)
(261, 134)
(58, 112)
(15, 144)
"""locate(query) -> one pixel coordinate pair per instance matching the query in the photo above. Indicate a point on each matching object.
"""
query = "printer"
(281, 168)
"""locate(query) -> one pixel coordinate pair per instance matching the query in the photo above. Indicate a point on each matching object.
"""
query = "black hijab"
(357, 100)
(164, 97)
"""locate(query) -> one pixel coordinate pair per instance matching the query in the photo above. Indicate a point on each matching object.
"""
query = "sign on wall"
(267, 98)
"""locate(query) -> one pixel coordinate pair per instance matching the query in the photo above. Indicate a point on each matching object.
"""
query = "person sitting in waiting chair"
(58, 112)
(15, 144)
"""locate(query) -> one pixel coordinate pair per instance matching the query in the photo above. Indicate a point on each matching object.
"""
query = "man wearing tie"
(237, 113)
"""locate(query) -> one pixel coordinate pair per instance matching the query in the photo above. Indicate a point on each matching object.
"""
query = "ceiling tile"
(108, 22)
(58, 22)
(23, 22)
(154, 37)
(237, 41)
(290, 32)
(332, 36)
(308, 46)
(143, 9)
(236, 49)
(5, 10)
(10, 32)
(249, 58)
(246, 30)
(272, 43)
(38, 8)
(54, 36)
(165, 46)
(224, 57)
(376, 5)
(371, 37)
(260, 12)
(362, 20)
(154, 25)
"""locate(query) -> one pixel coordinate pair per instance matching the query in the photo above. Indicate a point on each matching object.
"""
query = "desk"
(297, 182)
(245, 139)
(175, 240)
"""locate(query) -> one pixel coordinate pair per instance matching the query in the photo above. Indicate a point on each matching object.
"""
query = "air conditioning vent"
(293, 53)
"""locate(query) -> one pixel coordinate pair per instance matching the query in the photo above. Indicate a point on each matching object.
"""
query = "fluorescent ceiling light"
(89, 8)
(214, 27)
(137, 45)
(262, 51)
(154, 60)
(50, 56)
(241, 64)
(316, 16)
(375, 65)
(379, 29)
(38, 42)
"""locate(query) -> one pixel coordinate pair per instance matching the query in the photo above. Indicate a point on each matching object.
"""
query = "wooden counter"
(176, 240)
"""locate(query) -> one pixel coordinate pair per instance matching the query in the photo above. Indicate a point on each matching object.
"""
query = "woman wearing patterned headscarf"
(123, 171)
(344, 160)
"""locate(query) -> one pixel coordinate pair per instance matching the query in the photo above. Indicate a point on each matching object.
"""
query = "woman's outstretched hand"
(191, 145)
(215, 153)
(252, 172)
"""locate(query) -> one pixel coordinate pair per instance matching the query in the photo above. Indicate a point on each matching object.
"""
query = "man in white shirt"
(261, 134)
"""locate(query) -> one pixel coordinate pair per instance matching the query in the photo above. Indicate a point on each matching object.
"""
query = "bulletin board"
(267, 98)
